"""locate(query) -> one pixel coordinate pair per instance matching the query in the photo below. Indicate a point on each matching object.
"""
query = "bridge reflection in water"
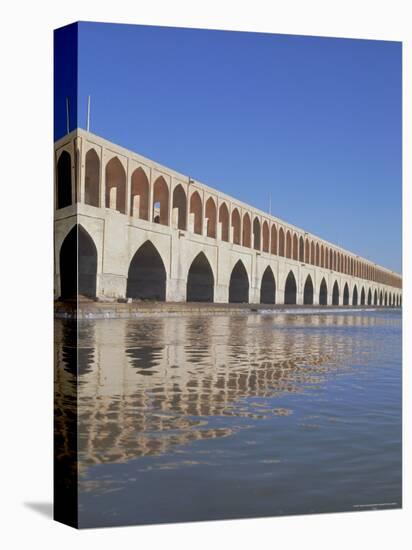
(146, 386)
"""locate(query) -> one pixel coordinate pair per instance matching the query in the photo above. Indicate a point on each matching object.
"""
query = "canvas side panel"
(65, 276)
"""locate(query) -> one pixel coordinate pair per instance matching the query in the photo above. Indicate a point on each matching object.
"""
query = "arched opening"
(179, 208)
(256, 234)
(335, 294)
(146, 279)
(326, 257)
(268, 287)
(355, 296)
(78, 264)
(115, 186)
(290, 289)
(239, 284)
(307, 251)
(196, 219)
(317, 262)
(92, 179)
(381, 298)
(346, 295)
(375, 298)
(312, 252)
(139, 195)
(200, 280)
(322, 256)
(265, 237)
(210, 214)
(246, 230)
(386, 298)
(273, 240)
(281, 242)
(161, 201)
(64, 180)
(301, 250)
(295, 251)
(288, 244)
(369, 297)
(362, 297)
(323, 293)
(224, 222)
(308, 291)
(331, 266)
(236, 226)
(390, 299)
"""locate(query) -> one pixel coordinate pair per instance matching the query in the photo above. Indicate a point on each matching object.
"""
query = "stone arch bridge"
(136, 229)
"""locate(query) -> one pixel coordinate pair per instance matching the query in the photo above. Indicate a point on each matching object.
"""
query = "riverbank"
(89, 309)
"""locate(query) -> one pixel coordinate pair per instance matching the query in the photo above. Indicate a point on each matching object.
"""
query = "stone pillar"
(128, 187)
(151, 185)
(102, 179)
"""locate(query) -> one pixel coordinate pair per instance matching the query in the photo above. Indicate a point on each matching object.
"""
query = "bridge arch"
(274, 240)
(139, 194)
(281, 242)
(295, 251)
(355, 296)
(312, 253)
(326, 257)
(78, 264)
(160, 207)
(268, 287)
(256, 234)
(239, 284)
(381, 298)
(288, 244)
(246, 237)
(211, 217)
(115, 185)
(386, 299)
(362, 297)
(369, 297)
(290, 289)
(146, 278)
(224, 221)
(196, 213)
(64, 180)
(236, 226)
(92, 179)
(265, 236)
(317, 261)
(335, 294)
(308, 291)
(346, 295)
(200, 280)
(301, 249)
(179, 207)
(307, 251)
(323, 293)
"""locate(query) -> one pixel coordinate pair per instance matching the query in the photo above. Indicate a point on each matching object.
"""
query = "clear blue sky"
(316, 122)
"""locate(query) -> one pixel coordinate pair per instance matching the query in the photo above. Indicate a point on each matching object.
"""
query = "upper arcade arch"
(224, 222)
(139, 195)
(64, 180)
(211, 217)
(179, 208)
(115, 196)
(92, 179)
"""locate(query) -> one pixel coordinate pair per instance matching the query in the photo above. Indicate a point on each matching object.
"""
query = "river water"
(184, 418)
